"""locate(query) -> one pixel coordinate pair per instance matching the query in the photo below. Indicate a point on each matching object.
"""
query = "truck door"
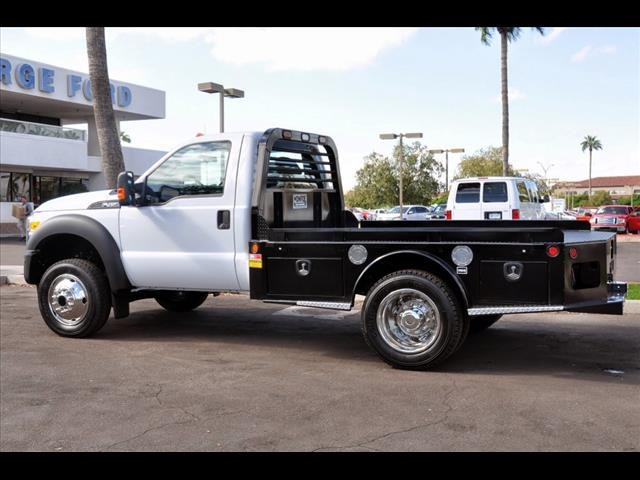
(183, 237)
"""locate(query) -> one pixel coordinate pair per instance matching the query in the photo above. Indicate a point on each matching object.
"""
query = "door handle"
(224, 219)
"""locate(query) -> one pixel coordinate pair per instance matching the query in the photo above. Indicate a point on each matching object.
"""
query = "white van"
(494, 198)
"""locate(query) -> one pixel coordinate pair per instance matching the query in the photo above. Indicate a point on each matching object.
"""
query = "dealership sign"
(42, 78)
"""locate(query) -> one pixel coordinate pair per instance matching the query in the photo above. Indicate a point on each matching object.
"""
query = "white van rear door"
(466, 204)
(495, 200)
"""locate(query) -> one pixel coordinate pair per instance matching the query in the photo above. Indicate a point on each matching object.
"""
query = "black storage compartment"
(324, 277)
(496, 289)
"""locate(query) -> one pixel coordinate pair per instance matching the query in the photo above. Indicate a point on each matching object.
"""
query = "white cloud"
(581, 54)
(607, 50)
(551, 37)
(56, 33)
(588, 51)
(295, 48)
(304, 49)
(514, 95)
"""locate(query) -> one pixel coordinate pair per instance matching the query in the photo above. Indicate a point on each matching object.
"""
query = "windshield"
(613, 210)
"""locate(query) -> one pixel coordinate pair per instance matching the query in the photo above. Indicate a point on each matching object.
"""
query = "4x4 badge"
(512, 271)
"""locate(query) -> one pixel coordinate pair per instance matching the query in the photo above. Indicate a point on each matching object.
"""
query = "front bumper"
(613, 227)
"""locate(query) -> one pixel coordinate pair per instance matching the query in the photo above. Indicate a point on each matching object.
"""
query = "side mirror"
(588, 214)
(124, 187)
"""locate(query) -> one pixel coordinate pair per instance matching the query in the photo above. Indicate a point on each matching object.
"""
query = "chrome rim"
(68, 300)
(409, 321)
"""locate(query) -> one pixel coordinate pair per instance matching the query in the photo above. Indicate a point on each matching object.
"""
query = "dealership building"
(41, 157)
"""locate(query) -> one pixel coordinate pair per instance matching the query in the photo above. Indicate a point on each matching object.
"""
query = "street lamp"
(392, 136)
(446, 151)
(210, 87)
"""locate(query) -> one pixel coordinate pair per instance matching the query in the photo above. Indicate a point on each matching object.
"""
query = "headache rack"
(297, 183)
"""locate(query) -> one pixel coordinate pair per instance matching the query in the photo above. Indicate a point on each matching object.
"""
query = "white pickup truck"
(263, 213)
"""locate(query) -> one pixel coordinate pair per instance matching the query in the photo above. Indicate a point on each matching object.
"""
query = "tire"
(431, 310)
(74, 298)
(481, 323)
(181, 301)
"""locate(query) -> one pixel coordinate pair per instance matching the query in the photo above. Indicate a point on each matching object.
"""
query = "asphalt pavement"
(241, 375)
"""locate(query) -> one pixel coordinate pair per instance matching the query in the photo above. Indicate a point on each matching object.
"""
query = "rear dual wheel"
(413, 319)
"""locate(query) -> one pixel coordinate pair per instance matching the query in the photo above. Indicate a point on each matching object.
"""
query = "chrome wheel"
(408, 321)
(68, 300)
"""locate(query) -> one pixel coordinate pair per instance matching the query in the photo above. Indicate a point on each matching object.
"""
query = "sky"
(355, 83)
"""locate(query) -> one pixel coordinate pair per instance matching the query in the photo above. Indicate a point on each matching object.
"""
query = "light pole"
(392, 136)
(546, 180)
(446, 152)
(210, 87)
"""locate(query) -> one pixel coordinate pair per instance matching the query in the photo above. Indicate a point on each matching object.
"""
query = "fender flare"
(88, 229)
(452, 277)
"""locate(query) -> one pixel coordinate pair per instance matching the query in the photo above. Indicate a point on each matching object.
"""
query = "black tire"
(83, 289)
(481, 323)
(442, 302)
(181, 301)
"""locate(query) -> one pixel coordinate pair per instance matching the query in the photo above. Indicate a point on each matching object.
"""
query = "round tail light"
(573, 252)
(553, 251)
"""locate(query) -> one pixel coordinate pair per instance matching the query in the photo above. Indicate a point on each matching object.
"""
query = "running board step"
(513, 309)
(328, 305)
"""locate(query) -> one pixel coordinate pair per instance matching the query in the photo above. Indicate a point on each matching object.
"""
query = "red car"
(633, 221)
(612, 217)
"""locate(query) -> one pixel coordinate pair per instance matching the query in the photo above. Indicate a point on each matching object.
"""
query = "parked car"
(439, 212)
(585, 213)
(494, 198)
(633, 221)
(409, 212)
(611, 217)
(376, 213)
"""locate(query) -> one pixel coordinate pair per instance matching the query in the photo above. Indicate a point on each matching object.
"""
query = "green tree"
(110, 149)
(486, 162)
(507, 34)
(592, 143)
(377, 181)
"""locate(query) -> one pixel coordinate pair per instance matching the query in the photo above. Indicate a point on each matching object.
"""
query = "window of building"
(5, 192)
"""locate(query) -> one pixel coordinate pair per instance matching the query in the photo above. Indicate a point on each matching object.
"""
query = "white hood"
(79, 201)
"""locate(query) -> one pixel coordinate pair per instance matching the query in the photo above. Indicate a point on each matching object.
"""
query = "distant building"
(40, 156)
(617, 187)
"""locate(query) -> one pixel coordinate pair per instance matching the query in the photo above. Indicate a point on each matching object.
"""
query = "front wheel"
(180, 301)
(413, 319)
(74, 298)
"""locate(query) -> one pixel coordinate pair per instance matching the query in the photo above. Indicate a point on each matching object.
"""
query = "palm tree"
(124, 136)
(507, 34)
(592, 143)
(110, 149)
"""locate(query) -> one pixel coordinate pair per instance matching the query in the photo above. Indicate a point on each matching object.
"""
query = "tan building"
(615, 186)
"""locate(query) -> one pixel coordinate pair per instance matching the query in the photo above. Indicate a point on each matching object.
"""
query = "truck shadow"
(515, 345)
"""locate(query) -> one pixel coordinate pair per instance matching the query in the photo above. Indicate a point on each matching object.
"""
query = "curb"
(13, 280)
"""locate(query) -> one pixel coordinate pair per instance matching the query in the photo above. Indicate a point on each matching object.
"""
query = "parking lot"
(243, 375)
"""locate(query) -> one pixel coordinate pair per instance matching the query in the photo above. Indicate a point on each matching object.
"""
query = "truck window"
(298, 169)
(523, 193)
(494, 192)
(197, 169)
(468, 193)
